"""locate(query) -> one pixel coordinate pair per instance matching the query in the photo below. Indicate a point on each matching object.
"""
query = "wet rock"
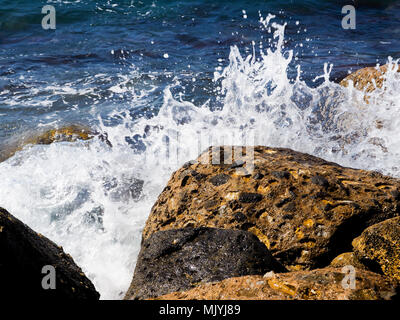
(246, 197)
(378, 248)
(124, 190)
(308, 215)
(180, 259)
(319, 284)
(320, 181)
(281, 174)
(23, 254)
(347, 259)
(258, 176)
(365, 78)
(69, 133)
(220, 179)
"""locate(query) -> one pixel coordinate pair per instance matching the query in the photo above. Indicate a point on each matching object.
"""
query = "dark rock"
(23, 254)
(188, 164)
(328, 203)
(395, 194)
(281, 174)
(250, 197)
(103, 137)
(258, 176)
(240, 217)
(197, 176)
(282, 202)
(176, 260)
(220, 179)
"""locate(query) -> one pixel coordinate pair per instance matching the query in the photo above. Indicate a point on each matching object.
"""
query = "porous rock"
(304, 209)
(378, 248)
(69, 133)
(174, 260)
(347, 259)
(318, 284)
(367, 78)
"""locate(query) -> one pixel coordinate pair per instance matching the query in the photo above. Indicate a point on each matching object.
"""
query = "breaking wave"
(93, 198)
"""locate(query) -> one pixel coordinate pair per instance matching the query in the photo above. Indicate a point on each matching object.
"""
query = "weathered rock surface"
(69, 133)
(304, 209)
(378, 247)
(176, 260)
(319, 284)
(346, 259)
(365, 78)
(23, 254)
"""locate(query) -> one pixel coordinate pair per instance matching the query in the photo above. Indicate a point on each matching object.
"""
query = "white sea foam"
(85, 195)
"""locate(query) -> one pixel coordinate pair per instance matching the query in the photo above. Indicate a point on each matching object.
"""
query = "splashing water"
(94, 199)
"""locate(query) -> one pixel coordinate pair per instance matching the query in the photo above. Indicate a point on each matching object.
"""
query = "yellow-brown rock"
(319, 284)
(364, 79)
(379, 247)
(304, 209)
(69, 133)
(346, 259)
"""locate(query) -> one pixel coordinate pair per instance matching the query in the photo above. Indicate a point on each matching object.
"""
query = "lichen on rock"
(347, 259)
(305, 209)
(378, 247)
(319, 284)
(69, 133)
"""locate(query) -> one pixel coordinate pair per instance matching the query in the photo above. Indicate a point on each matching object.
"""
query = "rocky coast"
(307, 217)
(262, 224)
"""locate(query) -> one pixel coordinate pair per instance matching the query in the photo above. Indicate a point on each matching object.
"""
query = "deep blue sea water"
(156, 73)
(50, 75)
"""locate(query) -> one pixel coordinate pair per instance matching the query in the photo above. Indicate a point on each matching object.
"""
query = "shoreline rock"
(363, 79)
(304, 209)
(174, 260)
(346, 259)
(316, 218)
(319, 284)
(378, 247)
(69, 133)
(23, 254)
